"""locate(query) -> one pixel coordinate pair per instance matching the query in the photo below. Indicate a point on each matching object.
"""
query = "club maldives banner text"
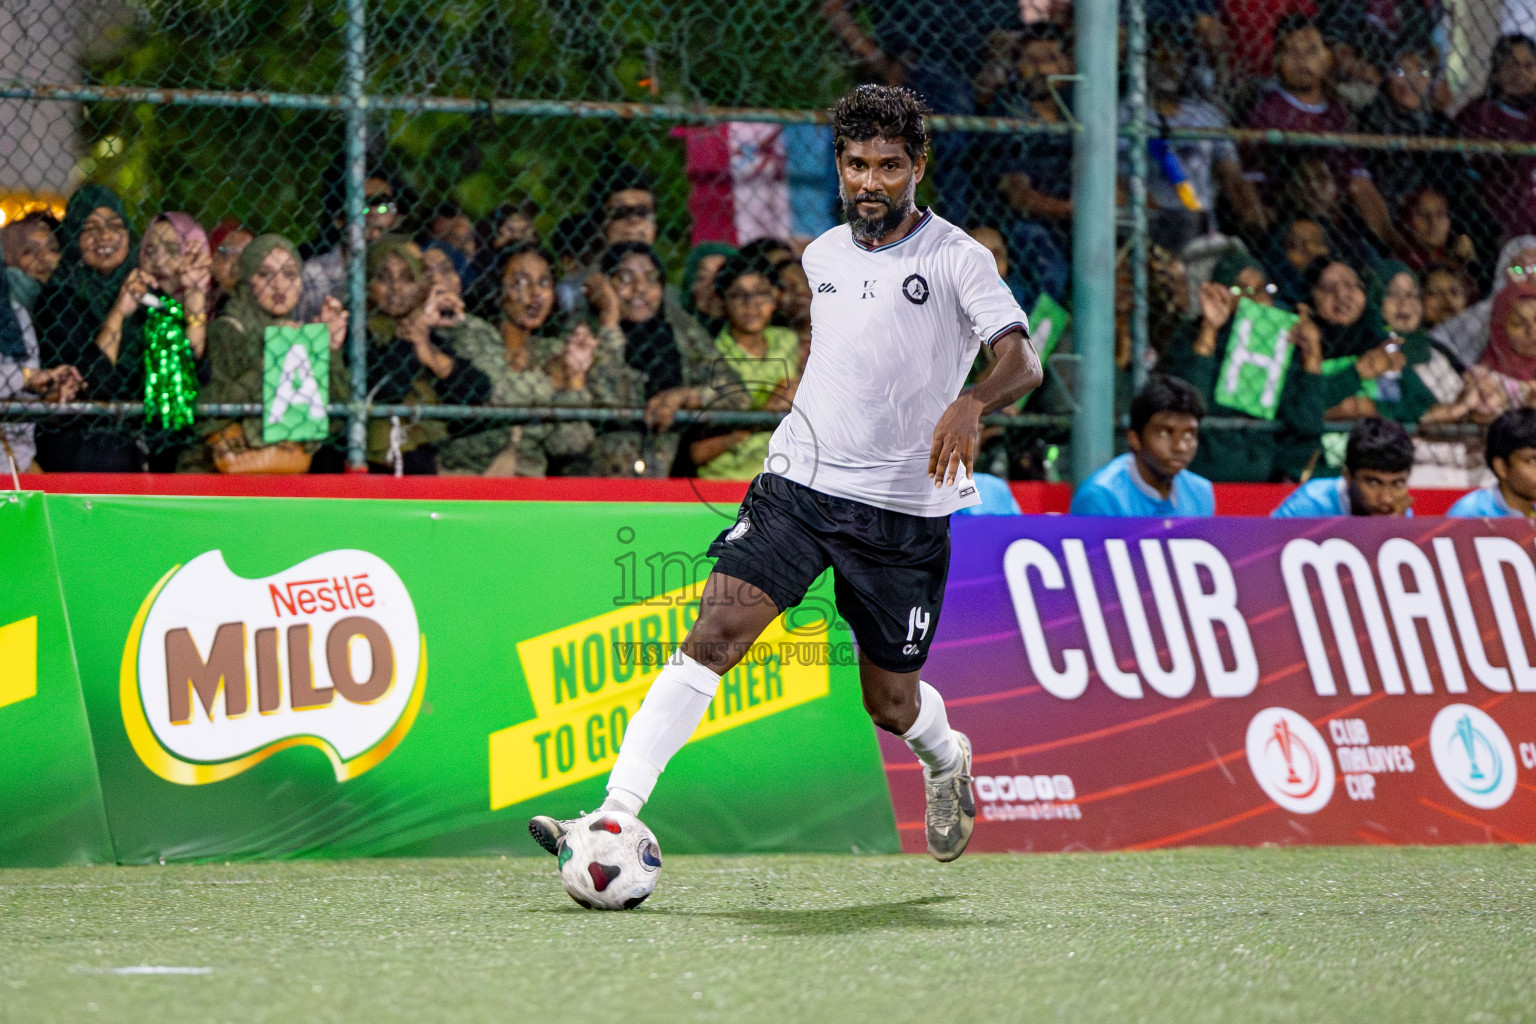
(1130, 684)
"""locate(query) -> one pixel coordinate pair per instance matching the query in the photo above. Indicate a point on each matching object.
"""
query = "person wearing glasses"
(766, 357)
(326, 274)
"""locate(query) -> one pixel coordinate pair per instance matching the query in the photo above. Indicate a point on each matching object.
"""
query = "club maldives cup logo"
(1473, 756)
(1290, 760)
(220, 672)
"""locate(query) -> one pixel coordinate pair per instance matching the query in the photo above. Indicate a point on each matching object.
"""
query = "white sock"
(670, 713)
(930, 737)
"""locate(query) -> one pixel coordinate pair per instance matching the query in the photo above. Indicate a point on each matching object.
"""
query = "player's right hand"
(955, 441)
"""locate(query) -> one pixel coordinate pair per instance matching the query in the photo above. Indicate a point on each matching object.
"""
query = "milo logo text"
(221, 672)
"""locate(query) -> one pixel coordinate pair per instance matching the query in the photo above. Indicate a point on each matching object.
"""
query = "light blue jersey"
(1119, 490)
(1323, 496)
(1483, 503)
(996, 498)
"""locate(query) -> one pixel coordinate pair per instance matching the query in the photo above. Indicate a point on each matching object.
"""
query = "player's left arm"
(955, 440)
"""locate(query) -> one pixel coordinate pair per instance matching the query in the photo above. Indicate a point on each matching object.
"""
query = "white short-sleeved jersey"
(894, 330)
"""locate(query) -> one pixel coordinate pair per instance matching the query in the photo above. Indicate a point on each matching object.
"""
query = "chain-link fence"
(509, 220)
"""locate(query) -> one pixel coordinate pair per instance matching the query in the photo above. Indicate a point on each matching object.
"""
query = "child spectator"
(1428, 238)
(1504, 113)
(1445, 294)
(527, 366)
(1153, 478)
(1463, 337)
(31, 254)
(1301, 104)
(1511, 455)
(1377, 460)
(1199, 353)
(267, 283)
(766, 358)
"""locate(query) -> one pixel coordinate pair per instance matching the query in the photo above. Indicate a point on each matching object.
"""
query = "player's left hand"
(955, 441)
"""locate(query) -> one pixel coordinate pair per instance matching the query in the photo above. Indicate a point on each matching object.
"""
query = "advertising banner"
(50, 804)
(270, 678)
(1131, 684)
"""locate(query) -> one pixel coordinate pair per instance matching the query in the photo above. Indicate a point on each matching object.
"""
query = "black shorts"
(890, 567)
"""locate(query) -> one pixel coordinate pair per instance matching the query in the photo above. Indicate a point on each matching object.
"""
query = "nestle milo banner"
(1130, 684)
(50, 803)
(272, 678)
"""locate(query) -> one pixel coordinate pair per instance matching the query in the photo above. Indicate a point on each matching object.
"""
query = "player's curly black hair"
(881, 112)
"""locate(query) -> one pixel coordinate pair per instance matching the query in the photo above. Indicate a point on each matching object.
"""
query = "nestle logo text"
(305, 597)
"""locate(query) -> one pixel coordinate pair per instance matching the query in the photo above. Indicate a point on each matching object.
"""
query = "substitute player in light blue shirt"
(1511, 454)
(1151, 478)
(1377, 461)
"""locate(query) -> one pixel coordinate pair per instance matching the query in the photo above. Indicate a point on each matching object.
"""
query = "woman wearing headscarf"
(665, 362)
(97, 258)
(1505, 377)
(1198, 352)
(1387, 368)
(699, 298)
(527, 365)
(1465, 336)
(405, 364)
(267, 283)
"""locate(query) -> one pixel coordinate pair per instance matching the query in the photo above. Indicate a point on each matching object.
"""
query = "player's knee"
(718, 643)
(889, 709)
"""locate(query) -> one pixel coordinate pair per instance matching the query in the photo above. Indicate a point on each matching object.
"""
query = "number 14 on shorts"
(917, 628)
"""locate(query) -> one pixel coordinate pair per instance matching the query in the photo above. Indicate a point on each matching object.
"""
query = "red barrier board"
(1132, 684)
(1033, 497)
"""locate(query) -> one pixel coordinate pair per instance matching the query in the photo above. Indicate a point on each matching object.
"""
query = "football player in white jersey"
(864, 472)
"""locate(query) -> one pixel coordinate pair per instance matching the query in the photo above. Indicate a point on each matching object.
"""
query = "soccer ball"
(609, 860)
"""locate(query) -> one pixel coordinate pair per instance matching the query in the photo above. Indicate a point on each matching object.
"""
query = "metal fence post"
(1136, 90)
(357, 284)
(1093, 237)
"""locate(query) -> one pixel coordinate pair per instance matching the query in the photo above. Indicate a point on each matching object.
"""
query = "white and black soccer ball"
(609, 860)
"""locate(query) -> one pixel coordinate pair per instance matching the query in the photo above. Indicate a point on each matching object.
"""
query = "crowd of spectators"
(1400, 283)
(486, 314)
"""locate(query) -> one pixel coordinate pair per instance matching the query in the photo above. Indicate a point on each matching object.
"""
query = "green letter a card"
(1259, 353)
(296, 384)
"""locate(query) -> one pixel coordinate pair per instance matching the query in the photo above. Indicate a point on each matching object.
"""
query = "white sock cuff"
(695, 675)
(929, 706)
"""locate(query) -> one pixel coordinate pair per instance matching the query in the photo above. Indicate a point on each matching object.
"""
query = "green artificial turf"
(1366, 934)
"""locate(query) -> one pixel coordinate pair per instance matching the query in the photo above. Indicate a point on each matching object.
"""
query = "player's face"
(1518, 472)
(879, 185)
(1375, 492)
(1167, 444)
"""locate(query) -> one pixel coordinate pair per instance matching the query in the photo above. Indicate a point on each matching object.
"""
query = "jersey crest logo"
(915, 288)
(826, 286)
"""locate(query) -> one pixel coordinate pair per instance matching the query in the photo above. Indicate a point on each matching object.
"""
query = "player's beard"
(870, 231)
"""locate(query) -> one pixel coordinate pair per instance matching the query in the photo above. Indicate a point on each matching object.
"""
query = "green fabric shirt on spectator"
(760, 375)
